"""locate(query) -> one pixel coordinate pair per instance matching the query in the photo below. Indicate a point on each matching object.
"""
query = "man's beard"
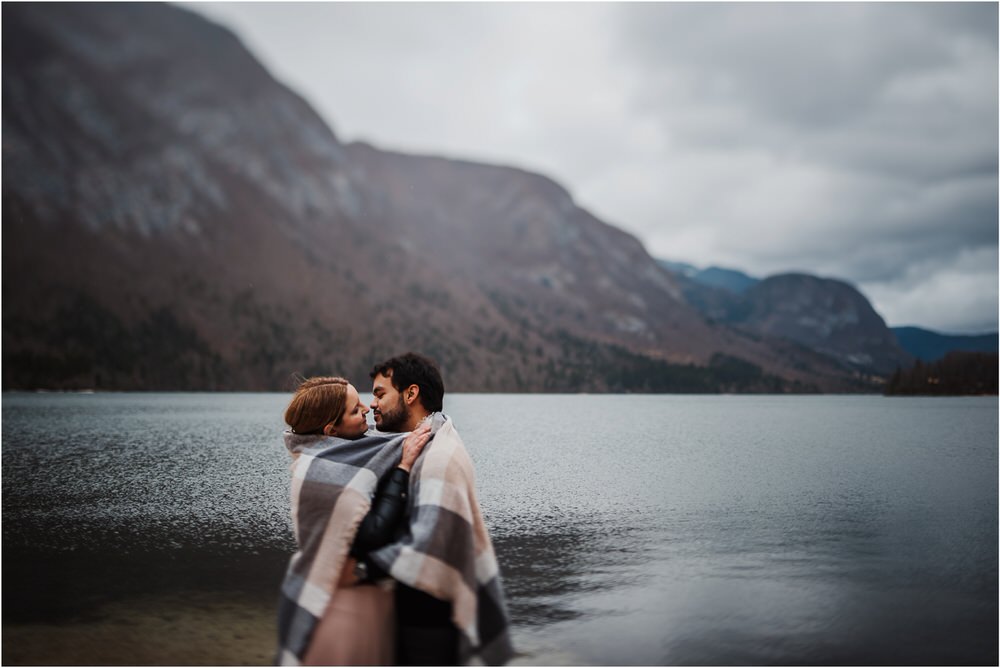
(395, 419)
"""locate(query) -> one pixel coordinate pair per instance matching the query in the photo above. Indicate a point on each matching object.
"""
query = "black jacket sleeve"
(378, 528)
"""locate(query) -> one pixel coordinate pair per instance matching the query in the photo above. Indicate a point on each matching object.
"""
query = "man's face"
(387, 406)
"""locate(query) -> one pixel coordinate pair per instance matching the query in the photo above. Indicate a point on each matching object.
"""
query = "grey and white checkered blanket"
(445, 549)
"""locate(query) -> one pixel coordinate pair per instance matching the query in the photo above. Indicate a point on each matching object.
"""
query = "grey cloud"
(801, 63)
(859, 84)
(865, 233)
(958, 296)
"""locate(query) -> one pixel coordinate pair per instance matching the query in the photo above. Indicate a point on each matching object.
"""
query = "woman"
(357, 626)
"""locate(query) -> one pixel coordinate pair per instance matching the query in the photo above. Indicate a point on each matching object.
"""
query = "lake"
(630, 529)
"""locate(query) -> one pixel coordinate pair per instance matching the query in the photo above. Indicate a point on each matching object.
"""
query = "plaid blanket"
(445, 550)
(333, 482)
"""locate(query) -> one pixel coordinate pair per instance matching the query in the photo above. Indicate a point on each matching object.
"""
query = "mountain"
(175, 218)
(931, 346)
(682, 268)
(826, 315)
(712, 301)
(726, 279)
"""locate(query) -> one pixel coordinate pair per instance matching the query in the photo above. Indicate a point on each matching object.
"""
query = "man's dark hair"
(415, 369)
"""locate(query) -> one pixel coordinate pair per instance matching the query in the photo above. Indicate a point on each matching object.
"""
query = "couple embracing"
(394, 563)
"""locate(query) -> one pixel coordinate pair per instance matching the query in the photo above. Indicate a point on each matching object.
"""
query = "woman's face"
(352, 423)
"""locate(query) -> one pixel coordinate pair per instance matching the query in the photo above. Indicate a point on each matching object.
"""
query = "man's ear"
(410, 394)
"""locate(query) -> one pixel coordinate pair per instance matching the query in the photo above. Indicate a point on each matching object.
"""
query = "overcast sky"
(855, 141)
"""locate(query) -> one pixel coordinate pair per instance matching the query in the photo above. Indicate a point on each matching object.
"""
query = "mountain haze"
(175, 218)
(931, 346)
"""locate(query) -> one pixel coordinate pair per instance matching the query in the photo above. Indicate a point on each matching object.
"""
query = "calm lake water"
(630, 529)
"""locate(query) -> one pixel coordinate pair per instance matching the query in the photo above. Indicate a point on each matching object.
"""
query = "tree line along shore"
(957, 373)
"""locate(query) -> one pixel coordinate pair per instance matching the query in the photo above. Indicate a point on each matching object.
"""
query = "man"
(406, 389)
(445, 548)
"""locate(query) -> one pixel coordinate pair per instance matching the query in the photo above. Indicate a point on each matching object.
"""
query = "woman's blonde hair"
(318, 402)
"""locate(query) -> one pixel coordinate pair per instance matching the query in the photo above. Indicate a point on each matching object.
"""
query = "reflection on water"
(547, 574)
(703, 530)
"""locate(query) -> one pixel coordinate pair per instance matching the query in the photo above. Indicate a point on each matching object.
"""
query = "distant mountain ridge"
(727, 279)
(722, 294)
(174, 218)
(732, 280)
(825, 315)
(931, 346)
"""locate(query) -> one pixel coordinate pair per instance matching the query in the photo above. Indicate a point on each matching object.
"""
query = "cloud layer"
(851, 140)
